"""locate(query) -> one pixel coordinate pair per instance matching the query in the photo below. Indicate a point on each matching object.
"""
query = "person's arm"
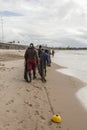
(36, 56)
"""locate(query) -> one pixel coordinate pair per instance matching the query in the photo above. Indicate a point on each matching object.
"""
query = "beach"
(30, 106)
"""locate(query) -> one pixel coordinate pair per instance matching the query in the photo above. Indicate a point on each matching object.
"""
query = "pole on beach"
(2, 29)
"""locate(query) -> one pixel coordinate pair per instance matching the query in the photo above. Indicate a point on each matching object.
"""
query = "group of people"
(36, 59)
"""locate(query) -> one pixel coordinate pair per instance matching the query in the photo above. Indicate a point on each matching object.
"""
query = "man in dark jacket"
(43, 58)
(31, 60)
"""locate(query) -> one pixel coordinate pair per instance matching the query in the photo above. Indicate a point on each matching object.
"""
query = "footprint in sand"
(7, 110)
(27, 103)
(2, 68)
(36, 86)
(18, 93)
(5, 125)
(35, 97)
(2, 64)
(9, 102)
(14, 111)
(27, 90)
(20, 122)
(37, 113)
(42, 117)
(12, 67)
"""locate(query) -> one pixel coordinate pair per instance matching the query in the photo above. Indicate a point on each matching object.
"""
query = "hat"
(31, 44)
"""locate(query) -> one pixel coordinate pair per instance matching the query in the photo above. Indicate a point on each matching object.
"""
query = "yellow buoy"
(56, 118)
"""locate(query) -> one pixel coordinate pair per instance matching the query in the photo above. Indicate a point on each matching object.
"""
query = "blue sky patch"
(9, 13)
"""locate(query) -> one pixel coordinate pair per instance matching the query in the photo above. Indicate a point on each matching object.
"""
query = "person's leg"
(44, 69)
(29, 66)
(30, 76)
(34, 74)
(43, 73)
(39, 70)
(25, 71)
(34, 69)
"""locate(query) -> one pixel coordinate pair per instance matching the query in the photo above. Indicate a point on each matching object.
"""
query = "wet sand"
(30, 106)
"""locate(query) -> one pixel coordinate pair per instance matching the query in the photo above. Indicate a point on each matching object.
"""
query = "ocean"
(75, 63)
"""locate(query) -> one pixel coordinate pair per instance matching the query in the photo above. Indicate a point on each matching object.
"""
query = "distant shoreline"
(72, 48)
(16, 46)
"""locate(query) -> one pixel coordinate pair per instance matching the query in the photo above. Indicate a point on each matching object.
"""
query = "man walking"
(31, 60)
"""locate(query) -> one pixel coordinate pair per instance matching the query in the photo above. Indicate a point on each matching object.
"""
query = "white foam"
(82, 96)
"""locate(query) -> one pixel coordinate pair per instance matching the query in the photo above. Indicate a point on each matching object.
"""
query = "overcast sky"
(51, 22)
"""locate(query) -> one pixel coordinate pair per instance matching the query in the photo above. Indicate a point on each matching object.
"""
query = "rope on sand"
(48, 99)
(52, 110)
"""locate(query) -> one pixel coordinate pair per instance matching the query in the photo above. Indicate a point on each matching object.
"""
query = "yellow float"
(56, 118)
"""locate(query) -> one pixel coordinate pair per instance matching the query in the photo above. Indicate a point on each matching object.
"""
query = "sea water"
(75, 64)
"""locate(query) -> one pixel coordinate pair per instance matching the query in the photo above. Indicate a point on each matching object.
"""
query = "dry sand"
(30, 106)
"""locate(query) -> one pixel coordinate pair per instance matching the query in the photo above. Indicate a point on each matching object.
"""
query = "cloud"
(45, 21)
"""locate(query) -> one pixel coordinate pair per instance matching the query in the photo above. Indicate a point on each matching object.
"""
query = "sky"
(50, 22)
